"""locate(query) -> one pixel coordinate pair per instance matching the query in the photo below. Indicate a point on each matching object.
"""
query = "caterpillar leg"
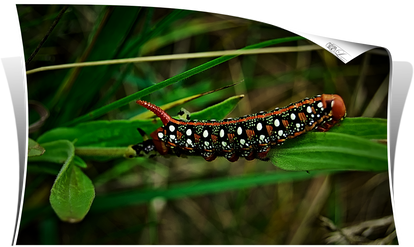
(232, 157)
(209, 156)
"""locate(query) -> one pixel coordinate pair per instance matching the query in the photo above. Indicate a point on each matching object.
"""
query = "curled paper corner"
(343, 50)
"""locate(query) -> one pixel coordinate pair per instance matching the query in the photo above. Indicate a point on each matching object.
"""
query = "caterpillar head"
(147, 148)
(144, 149)
(337, 104)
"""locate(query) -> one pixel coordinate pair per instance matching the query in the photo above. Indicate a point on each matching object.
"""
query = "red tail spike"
(165, 118)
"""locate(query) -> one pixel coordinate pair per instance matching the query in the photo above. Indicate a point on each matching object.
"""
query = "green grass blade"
(134, 45)
(197, 188)
(101, 111)
(106, 43)
(217, 111)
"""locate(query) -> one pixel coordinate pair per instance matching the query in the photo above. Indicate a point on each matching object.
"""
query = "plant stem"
(101, 151)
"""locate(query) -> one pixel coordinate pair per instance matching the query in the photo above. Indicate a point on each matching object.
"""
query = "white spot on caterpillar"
(277, 122)
(309, 109)
(298, 125)
(172, 137)
(205, 133)
(172, 128)
(222, 133)
(239, 130)
(320, 104)
(188, 132)
(332, 103)
(292, 116)
(160, 135)
(224, 143)
(259, 126)
(262, 137)
(242, 141)
(189, 142)
(280, 133)
(206, 143)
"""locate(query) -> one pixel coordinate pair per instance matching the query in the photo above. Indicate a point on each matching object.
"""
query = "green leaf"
(117, 133)
(370, 128)
(72, 193)
(56, 152)
(121, 133)
(79, 162)
(34, 149)
(326, 150)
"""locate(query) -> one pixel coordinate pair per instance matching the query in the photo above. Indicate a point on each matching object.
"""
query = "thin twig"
(42, 111)
(55, 22)
(178, 56)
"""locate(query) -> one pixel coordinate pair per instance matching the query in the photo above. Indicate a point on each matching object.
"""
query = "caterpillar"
(250, 136)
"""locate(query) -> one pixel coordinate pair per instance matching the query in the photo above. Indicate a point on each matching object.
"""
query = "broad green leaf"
(370, 128)
(317, 150)
(72, 193)
(34, 149)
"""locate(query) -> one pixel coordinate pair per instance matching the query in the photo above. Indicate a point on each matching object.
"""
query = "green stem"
(100, 151)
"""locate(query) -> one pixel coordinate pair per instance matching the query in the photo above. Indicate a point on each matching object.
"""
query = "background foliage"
(188, 201)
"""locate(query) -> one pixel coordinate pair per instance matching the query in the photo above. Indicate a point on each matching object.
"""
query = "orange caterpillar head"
(337, 104)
